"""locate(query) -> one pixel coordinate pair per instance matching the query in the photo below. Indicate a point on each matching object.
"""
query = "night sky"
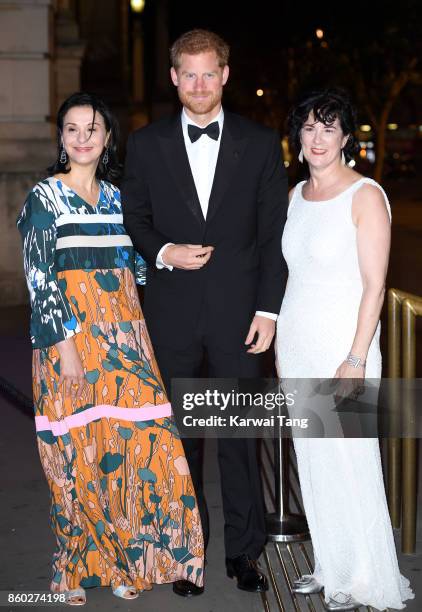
(278, 23)
(260, 34)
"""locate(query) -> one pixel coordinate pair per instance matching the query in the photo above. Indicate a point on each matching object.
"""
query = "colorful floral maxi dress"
(123, 508)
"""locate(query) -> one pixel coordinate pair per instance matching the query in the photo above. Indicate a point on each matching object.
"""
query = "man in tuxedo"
(204, 201)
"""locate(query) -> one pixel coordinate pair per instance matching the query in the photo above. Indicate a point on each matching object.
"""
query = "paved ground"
(26, 542)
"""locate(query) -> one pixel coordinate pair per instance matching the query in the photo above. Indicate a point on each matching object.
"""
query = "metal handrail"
(403, 308)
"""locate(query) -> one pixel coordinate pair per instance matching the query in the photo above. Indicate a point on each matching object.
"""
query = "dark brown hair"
(108, 172)
(327, 105)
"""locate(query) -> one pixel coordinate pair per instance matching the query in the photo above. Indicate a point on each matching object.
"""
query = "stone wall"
(13, 190)
(35, 45)
(25, 131)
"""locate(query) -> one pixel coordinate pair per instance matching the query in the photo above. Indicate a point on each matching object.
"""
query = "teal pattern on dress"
(50, 202)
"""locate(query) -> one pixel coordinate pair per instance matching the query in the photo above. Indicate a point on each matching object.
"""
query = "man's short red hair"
(199, 41)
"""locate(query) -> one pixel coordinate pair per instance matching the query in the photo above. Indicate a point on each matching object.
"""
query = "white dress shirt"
(202, 156)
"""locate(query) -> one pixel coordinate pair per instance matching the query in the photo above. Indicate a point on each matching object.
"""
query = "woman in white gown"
(336, 243)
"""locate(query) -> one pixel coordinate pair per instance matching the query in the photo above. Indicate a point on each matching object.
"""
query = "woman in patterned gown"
(123, 508)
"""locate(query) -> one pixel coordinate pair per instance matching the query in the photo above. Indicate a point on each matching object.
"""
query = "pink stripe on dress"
(80, 419)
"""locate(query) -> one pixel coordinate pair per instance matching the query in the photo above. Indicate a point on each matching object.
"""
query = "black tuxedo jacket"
(245, 220)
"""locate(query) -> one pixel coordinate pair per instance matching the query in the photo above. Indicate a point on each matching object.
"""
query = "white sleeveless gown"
(341, 478)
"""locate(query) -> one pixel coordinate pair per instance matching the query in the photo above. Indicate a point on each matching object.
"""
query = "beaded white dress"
(341, 478)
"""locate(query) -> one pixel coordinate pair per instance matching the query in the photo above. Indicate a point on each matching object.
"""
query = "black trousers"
(243, 506)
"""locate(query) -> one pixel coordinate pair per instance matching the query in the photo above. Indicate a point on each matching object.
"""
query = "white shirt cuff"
(268, 315)
(159, 261)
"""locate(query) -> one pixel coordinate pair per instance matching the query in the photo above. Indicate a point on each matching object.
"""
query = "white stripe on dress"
(96, 218)
(93, 241)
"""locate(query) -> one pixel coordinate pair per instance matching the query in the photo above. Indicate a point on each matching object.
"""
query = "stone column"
(68, 53)
(139, 114)
(26, 143)
(162, 102)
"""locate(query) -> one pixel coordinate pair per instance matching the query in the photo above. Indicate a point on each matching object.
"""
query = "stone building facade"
(49, 49)
(36, 72)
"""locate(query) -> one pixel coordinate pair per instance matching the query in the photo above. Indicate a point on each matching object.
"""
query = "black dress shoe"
(249, 578)
(184, 588)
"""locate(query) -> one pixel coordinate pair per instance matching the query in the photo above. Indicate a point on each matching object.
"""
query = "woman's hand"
(345, 370)
(71, 370)
(350, 384)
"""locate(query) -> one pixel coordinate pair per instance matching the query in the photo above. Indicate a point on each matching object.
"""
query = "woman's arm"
(372, 220)
(52, 319)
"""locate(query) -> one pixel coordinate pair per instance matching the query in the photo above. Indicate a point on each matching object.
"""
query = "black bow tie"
(212, 130)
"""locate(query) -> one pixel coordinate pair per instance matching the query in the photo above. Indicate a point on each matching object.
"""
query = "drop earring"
(63, 156)
(343, 158)
(105, 157)
(300, 157)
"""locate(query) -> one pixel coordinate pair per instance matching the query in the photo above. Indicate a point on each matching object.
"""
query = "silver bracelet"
(355, 361)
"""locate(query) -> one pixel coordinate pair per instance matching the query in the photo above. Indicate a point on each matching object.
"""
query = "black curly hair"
(108, 172)
(327, 105)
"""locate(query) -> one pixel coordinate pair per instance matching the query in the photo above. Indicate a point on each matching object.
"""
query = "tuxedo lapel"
(174, 152)
(232, 147)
